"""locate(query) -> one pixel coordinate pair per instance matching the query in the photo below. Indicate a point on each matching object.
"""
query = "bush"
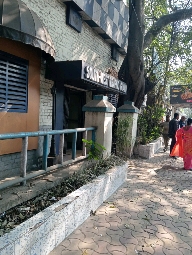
(148, 124)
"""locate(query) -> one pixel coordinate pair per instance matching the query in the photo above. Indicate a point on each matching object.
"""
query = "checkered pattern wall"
(108, 17)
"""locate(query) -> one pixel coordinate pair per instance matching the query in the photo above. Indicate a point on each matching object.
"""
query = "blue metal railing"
(46, 135)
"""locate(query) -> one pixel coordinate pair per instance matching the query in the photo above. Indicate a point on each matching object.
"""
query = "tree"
(132, 70)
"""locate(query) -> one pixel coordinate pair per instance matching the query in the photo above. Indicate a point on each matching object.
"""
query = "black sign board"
(94, 75)
(180, 94)
(81, 75)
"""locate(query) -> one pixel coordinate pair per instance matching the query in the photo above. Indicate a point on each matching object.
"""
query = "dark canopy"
(19, 23)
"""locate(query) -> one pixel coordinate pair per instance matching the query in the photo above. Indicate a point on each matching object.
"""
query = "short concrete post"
(128, 109)
(99, 113)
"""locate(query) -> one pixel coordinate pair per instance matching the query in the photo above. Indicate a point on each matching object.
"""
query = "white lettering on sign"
(95, 75)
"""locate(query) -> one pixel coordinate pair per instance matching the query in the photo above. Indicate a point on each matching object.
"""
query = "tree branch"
(164, 21)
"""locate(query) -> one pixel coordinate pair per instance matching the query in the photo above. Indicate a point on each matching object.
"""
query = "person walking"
(173, 127)
(182, 122)
(183, 146)
(165, 131)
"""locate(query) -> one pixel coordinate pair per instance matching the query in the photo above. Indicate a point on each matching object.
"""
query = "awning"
(83, 76)
(19, 23)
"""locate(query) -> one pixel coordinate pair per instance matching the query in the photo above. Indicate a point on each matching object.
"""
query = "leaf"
(21, 216)
(4, 223)
(146, 219)
(85, 253)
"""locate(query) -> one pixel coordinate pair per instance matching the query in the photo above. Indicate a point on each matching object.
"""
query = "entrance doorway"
(76, 115)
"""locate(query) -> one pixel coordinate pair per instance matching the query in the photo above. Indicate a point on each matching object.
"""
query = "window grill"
(13, 83)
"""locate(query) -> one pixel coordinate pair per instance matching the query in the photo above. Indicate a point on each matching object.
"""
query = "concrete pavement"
(150, 214)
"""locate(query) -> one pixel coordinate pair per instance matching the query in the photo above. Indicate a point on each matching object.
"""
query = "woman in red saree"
(183, 146)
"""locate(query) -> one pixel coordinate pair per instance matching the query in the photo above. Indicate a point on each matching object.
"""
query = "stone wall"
(10, 164)
(147, 151)
(45, 230)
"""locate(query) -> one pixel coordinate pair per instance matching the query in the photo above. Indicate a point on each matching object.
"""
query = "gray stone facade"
(88, 46)
(10, 164)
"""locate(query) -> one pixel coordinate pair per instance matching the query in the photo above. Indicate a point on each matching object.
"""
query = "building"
(47, 44)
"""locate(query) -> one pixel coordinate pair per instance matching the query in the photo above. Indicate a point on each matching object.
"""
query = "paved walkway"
(150, 214)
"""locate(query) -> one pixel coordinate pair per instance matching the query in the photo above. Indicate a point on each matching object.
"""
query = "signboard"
(81, 75)
(180, 94)
(106, 80)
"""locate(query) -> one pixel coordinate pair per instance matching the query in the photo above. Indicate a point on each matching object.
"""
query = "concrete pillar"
(99, 113)
(129, 111)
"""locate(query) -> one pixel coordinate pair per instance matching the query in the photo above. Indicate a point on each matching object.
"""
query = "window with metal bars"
(13, 83)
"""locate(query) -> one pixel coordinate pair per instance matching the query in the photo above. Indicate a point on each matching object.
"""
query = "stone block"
(44, 231)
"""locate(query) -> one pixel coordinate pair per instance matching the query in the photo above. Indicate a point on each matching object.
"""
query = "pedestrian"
(183, 146)
(165, 132)
(182, 122)
(173, 127)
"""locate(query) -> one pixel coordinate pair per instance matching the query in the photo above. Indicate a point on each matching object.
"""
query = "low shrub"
(148, 124)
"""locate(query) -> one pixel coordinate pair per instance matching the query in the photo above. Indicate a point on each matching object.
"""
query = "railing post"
(84, 152)
(61, 145)
(74, 145)
(24, 159)
(93, 135)
(45, 151)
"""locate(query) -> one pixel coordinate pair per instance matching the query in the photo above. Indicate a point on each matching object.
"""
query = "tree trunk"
(133, 73)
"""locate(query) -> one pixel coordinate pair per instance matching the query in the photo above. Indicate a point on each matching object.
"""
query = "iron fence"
(45, 169)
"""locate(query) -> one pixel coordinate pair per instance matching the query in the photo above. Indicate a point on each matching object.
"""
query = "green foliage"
(123, 136)
(148, 124)
(95, 149)
(169, 56)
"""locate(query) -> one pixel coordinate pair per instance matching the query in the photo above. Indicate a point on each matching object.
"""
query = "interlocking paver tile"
(103, 223)
(139, 234)
(130, 240)
(120, 248)
(170, 228)
(99, 253)
(114, 232)
(161, 229)
(151, 213)
(93, 246)
(117, 253)
(88, 240)
(157, 222)
(114, 218)
(69, 252)
(185, 251)
(92, 235)
(74, 244)
(177, 238)
(172, 252)
(149, 249)
(102, 247)
(115, 240)
(158, 250)
(66, 243)
(187, 240)
(185, 231)
(180, 224)
(165, 236)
